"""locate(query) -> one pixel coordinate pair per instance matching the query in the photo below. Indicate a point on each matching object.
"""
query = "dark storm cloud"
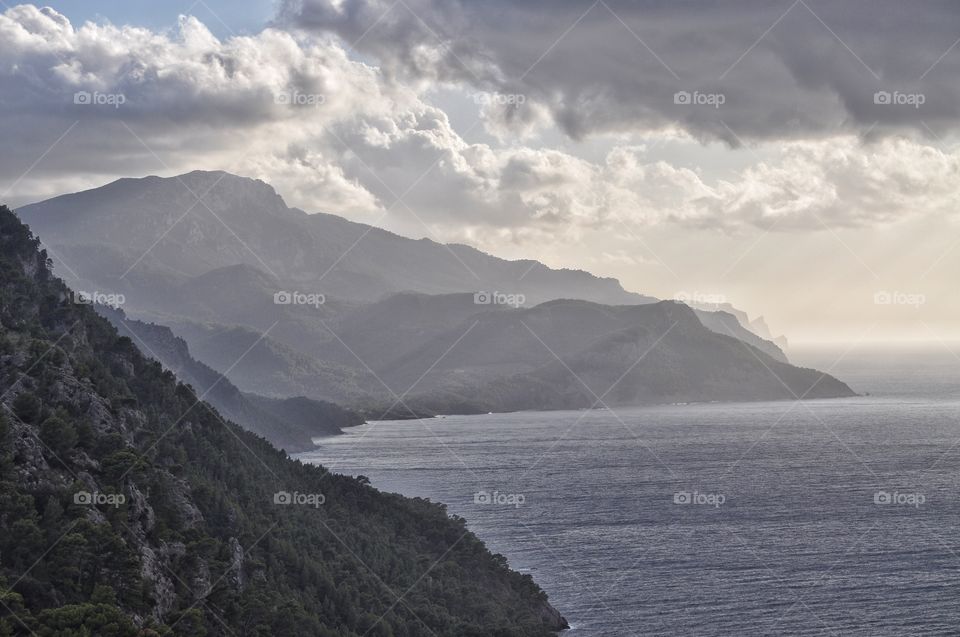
(786, 69)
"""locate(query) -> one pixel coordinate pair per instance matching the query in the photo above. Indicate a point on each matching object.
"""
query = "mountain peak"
(216, 177)
(203, 220)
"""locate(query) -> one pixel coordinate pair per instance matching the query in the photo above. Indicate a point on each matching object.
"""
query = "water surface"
(711, 519)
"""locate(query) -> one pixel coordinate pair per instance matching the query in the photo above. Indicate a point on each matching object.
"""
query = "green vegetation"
(128, 508)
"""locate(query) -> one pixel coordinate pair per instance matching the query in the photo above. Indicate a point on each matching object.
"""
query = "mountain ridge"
(283, 247)
(388, 311)
(565, 357)
(258, 414)
(130, 510)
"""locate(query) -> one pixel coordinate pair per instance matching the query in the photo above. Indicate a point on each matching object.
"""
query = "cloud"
(334, 134)
(784, 70)
(139, 101)
(836, 182)
(521, 194)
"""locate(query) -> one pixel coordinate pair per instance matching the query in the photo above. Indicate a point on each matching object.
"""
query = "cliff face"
(130, 508)
(728, 324)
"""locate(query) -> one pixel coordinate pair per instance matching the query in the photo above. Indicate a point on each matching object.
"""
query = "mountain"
(667, 357)
(130, 508)
(155, 232)
(259, 363)
(290, 424)
(389, 316)
(221, 260)
(723, 322)
(757, 326)
(541, 358)
(447, 354)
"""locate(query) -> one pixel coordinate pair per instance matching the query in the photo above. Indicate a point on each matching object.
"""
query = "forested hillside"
(128, 507)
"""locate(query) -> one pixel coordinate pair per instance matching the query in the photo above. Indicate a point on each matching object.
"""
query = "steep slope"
(758, 326)
(129, 509)
(258, 363)
(723, 322)
(311, 418)
(163, 229)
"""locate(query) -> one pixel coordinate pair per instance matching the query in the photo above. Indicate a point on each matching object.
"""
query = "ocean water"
(827, 517)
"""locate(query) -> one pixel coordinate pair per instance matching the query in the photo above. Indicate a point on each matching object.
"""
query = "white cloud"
(243, 104)
(187, 99)
(838, 182)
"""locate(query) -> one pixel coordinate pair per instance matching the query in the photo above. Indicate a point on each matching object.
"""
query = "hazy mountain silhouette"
(289, 423)
(445, 327)
(157, 224)
(566, 354)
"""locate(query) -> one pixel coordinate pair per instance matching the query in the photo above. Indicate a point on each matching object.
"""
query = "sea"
(814, 517)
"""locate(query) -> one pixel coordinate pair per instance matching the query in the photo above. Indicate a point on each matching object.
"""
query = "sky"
(224, 18)
(796, 158)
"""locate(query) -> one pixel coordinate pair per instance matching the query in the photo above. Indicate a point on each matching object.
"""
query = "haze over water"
(821, 517)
